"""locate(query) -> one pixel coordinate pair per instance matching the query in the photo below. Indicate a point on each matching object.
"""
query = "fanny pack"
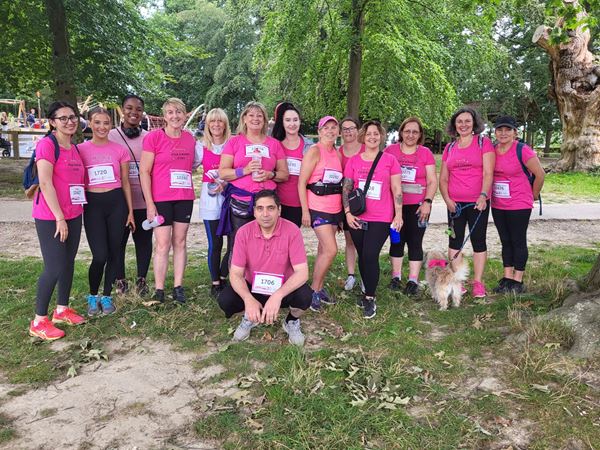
(320, 188)
(240, 208)
(357, 199)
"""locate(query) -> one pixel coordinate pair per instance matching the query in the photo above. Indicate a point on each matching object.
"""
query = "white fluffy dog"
(443, 279)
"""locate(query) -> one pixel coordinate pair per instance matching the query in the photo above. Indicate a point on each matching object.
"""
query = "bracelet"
(428, 200)
(239, 172)
(484, 194)
(346, 212)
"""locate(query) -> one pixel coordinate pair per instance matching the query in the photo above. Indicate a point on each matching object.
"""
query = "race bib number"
(134, 173)
(502, 189)
(409, 174)
(77, 194)
(101, 174)
(181, 179)
(294, 166)
(332, 176)
(266, 283)
(374, 189)
(257, 150)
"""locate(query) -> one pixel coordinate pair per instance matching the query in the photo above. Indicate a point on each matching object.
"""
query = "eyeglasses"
(348, 129)
(64, 119)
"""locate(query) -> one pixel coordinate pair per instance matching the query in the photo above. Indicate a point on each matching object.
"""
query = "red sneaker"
(68, 316)
(478, 289)
(45, 330)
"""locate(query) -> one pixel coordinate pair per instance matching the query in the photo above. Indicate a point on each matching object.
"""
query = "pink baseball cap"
(326, 119)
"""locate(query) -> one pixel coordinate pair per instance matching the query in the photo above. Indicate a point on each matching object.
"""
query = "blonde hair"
(363, 130)
(215, 114)
(242, 128)
(178, 103)
(99, 110)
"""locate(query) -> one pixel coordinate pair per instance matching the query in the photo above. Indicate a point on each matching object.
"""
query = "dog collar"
(437, 263)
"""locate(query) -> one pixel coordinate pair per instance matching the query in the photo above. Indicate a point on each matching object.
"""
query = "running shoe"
(411, 289)
(45, 330)
(179, 295)
(242, 332)
(141, 287)
(216, 289)
(478, 289)
(121, 286)
(93, 307)
(159, 295)
(315, 304)
(370, 308)
(108, 307)
(68, 316)
(515, 287)
(360, 301)
(502, 285)
(326, 298)
(295, 335)
(395, 284)
(350, 282)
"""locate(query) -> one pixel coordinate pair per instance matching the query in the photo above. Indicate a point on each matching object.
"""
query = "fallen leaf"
(151, 303)
(345, 337)
(254, 425)
(541, 387)
(267, 336)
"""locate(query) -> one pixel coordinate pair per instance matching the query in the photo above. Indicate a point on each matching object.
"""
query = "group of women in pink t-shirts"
(126, 180)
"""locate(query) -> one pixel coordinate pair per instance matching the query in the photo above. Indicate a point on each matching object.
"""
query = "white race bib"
(266, 283)
(134, 173)
(501, 189)
(101, 174)
(257, 150)
(332, 176)
(181, 179)
(374, 189)
(77, 193)
(294, 166)
(409, 174)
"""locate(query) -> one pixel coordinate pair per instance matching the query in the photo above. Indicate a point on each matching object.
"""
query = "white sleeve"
(198, 155)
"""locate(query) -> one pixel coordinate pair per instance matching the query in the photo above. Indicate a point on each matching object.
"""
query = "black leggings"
(368, 244)
(59, 262)
(231, 303)
(104, 218)
(410, 234)
(236, 224)
(512, 228)
(292, 213)
(143, 246)
(469, 215)
(217, 267)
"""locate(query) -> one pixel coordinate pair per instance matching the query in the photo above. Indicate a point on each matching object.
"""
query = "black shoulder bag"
(357, 199)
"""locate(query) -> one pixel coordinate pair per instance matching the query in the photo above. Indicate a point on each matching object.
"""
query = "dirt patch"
(145, 394)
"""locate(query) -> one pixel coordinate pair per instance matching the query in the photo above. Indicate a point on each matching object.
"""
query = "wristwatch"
(274, 172)
(483, 194)
(428, 200)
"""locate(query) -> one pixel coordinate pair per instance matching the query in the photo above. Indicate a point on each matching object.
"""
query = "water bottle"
(394, 235)
(255, 172)
(158, 220)
(422, 223)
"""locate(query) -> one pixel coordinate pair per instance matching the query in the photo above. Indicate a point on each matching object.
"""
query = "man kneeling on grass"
(268, 271)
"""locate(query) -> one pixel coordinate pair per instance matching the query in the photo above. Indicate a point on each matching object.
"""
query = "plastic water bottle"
(158, 220)
(394, 235)
(255, 172)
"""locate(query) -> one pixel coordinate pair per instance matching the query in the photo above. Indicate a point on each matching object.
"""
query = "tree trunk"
(547, 142)
(576, 88)
(593, 278)
(62, 64)
(355, 63)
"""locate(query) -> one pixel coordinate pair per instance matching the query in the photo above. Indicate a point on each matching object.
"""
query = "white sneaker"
(243, 330)
(292, 328)
(350, 281)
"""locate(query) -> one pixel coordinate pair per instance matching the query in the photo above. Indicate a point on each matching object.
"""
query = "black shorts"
(175, 211)
(318, 218)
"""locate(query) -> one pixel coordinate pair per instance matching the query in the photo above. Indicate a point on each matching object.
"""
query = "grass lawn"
(402, 380)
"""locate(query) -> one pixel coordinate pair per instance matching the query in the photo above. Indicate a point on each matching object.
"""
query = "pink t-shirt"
(465, 169)
(242, 150)
(210, 161)
(103, 164)
(345, 158)
(172, 169)
(288, 190)
(117, 136)
(68, 177)
(327, 170)
(380, 201)
(276, 255)
(511, 189)
(414, 172)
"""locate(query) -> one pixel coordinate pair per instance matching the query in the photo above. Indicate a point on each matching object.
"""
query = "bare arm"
(489, 161)
(45, 170)
(309, 162)
(282, 171)
(444, 175)
(534, 166)
(127, 191)
(146, 163)
(424, 210)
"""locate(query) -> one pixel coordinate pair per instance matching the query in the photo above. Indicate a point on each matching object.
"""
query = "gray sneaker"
(242, 332)
(370, 307)
(350, 282)
(292, 328)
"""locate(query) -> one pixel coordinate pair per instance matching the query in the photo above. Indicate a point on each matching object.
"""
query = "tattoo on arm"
(398, 199)
(347, 185)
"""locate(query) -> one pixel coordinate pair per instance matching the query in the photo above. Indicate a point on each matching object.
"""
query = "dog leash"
(457, 213)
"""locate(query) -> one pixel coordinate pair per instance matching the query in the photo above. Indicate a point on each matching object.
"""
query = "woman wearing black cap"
(512, 200)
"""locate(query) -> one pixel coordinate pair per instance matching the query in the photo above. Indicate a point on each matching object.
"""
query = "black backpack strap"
(130, 151)
(56, 146)
(371, 171)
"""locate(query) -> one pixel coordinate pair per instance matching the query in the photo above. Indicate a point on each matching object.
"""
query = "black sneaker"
(121, 286)
(159, 295)
(502, 285)
(216, 289)
(370, 308)
(515, 287)
(178, 295)
(141, 287)
(411, 288)
(395, 284)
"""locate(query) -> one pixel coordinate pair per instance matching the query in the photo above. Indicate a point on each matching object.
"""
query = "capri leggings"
(469, 215)
(143, 246)
(368, 244)
(218, 267)
(512, 227)
(104, 217)
(410, 234)
(59, 262)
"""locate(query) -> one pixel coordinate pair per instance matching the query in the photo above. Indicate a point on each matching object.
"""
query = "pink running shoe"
(68, 316)
(478, 289)
(45, 330)
(463, 290)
